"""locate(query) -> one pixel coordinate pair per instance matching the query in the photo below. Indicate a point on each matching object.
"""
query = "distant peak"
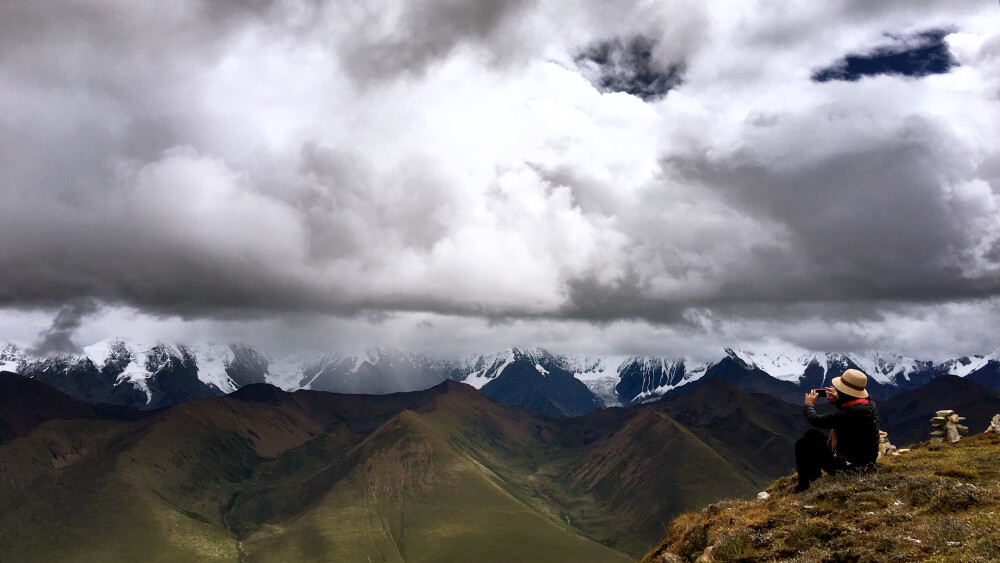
(260, 393)
(451, 386)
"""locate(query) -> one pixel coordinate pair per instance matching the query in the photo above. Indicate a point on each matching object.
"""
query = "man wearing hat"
(853, 440)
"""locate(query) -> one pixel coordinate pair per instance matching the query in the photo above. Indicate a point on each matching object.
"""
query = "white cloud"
(449, 160)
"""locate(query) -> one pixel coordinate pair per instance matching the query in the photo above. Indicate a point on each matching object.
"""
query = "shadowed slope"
(748, 378)
(549, 391)
(755, 432)
(166, 476)
(26, 403)
(650, 469)
(906, 417)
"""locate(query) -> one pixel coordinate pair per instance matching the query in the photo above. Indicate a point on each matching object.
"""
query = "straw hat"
(852, 382)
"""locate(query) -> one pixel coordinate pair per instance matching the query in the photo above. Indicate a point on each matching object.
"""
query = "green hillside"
(438, 475)
(410, 497)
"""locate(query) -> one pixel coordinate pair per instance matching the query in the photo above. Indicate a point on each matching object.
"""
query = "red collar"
(854, 402)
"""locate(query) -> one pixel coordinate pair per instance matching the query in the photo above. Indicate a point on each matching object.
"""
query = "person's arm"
(831, 420)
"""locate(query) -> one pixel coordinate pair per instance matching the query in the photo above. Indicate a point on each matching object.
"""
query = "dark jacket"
(857, 430)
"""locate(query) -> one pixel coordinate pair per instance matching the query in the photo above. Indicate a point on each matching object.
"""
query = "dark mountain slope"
(173, 378)
(651, 467)
(755, 431)
(547, 390)
(26, 403)
(988, 375)
(748, 378)
(906, 417)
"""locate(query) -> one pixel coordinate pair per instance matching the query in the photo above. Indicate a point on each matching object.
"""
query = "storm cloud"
(667, 175)
(57, 339)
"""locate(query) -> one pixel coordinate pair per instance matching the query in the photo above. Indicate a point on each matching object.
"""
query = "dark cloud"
(58, 338)
(916, 56)
(867, 225)
(218, 160)
(854, 228)
(627, 65)
(426, 31)
(590, 299)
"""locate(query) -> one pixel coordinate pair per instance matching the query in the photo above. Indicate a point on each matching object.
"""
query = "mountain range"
(444, 473)
(149, 376)
(440, 474)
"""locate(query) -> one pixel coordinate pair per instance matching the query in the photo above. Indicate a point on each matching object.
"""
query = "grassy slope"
(617, 479)
(320, 476)
(755, 433)
(652, 467)
(85, 510)
(107, 491)
(935, 503)
(411, 497)
(167, 488)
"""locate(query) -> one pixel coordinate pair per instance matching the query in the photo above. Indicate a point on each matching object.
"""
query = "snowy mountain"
(613, 380)
(888, 373)
(10, 358)
(154, 375)
(145, 375)
(535, 379)
(376, 371)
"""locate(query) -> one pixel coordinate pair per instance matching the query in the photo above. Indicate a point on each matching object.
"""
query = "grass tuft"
(938, 502)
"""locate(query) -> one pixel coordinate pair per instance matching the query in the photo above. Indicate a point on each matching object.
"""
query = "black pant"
(812, 456)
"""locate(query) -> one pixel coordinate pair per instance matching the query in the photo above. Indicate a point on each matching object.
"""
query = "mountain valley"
(262, 474)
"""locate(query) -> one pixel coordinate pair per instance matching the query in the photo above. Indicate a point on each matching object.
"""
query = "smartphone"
(820, 392)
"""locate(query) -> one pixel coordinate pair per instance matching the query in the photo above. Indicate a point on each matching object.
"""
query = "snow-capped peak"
(779, 365)
(884, 367)
(140, 360)
(965, 365)
(11, 357)
(586, 368)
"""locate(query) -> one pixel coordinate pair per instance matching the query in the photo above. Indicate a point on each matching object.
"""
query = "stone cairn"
(946, 423)
(884, 446)
(995, 425)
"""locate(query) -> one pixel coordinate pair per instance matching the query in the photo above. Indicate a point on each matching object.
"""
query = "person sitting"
(853, 440)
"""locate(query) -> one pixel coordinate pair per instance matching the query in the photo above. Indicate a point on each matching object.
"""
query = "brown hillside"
(935, 503)
(754, 432)
(440, 474)
(652, 466)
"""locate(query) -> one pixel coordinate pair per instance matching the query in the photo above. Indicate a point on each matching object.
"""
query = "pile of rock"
(884, 446)
(995, 425)
(946, 424)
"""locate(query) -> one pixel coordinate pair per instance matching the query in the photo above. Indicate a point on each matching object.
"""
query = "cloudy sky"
(447, 176)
